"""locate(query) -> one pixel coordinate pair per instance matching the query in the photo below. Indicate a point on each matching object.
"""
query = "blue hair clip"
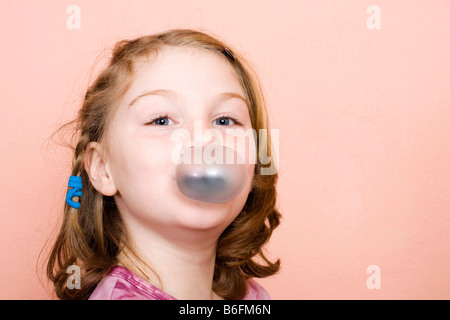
(76, 185)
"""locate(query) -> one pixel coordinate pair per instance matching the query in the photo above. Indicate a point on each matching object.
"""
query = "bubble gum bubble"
(210, 181)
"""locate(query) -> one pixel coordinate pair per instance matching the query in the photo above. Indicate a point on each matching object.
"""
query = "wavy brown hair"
(93, 235)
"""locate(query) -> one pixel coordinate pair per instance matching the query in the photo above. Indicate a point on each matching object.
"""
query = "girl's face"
(180, 88)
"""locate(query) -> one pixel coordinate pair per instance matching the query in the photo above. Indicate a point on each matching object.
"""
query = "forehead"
(186, 69)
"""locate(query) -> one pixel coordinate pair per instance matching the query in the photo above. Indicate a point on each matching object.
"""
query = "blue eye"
(161, 121)
(225, 121)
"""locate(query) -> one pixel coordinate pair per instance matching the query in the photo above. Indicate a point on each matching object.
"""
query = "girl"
(132, 233)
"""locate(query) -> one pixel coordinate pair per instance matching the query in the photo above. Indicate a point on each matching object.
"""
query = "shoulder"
(255, 291)
(121, 284)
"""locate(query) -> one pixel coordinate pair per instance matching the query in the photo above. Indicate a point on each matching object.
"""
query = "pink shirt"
(122, 284)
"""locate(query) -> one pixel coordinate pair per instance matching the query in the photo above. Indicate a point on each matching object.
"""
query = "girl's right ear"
(95, 164)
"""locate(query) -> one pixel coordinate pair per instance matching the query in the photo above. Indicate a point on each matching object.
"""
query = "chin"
(206, 216)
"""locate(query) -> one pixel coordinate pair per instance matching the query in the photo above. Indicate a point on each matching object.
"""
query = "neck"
(182, 265)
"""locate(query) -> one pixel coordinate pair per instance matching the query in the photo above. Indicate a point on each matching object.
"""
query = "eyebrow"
(169, 93)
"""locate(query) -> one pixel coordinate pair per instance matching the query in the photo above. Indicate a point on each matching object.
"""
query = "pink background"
(364, 120)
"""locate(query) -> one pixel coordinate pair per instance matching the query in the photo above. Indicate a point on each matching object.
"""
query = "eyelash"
(159, 116)
(166, 115)
(229, 117)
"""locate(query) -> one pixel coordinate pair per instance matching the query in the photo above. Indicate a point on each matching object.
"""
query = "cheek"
(250, 175)
(239, 202)
(142, 162)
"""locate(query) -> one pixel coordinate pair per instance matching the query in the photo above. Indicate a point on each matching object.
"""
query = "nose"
(201, 134)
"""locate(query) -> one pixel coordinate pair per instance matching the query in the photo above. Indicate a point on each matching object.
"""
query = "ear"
(97, 169)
